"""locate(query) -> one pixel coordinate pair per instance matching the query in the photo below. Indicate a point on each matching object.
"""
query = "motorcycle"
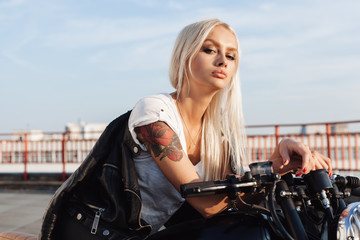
(311, 207)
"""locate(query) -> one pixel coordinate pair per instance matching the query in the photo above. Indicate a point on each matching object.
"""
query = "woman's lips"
(219, 74)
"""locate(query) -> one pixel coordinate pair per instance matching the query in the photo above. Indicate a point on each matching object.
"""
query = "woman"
(191, 134)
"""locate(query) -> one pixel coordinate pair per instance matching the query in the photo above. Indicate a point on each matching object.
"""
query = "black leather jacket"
(107, 177)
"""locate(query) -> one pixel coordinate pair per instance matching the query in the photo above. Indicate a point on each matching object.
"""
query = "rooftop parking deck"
(22, 211)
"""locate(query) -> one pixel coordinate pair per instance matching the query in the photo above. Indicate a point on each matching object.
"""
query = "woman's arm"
(165, 148)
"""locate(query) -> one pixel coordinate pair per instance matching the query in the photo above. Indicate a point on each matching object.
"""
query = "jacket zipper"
(97, 216)
(139, 222)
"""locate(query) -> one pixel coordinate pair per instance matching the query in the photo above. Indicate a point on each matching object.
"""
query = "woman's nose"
(221, 61)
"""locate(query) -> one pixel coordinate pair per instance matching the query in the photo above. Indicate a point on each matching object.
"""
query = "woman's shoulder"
(163, 98)
(158, 102)
(159, 106)
(150, 109)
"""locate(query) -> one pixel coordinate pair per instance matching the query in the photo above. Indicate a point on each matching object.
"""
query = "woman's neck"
(192, 107)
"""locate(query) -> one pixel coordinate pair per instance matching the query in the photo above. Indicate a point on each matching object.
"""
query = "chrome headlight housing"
(349, 222)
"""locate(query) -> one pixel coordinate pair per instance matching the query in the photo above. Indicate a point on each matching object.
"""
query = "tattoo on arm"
(161, 140)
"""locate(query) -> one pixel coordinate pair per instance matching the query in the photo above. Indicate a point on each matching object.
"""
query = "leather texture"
(106, 178)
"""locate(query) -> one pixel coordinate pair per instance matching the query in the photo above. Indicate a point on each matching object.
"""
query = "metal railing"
(340, 145)
(57, 151)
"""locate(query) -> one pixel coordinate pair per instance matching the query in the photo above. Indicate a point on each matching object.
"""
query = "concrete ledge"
(33, 186)
(32, 176)
(43, 182)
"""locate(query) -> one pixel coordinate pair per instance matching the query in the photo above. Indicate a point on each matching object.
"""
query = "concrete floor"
(22, 211)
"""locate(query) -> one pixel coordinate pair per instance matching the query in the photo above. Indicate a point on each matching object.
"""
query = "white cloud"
(12, 3)
(177, 5)
(12, 50)
(147, 3)
(98, 32)
(14, 59)
(147, 55)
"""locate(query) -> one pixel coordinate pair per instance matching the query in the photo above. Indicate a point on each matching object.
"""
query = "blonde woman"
(128, 186)
(197, 132)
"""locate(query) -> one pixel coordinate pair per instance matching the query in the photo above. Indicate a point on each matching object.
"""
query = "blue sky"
(66, 61)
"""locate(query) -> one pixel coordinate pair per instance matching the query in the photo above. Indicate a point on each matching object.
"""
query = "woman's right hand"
(291, 155)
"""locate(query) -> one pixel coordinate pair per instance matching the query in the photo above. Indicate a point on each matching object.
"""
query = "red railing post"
(342, 151)
(349, 151)
(253, 151)
(336, 152)
(63, 160)
(356, 152)
(259, 149)
(265, 148)
(25, 156)
(328, 135)
(277, 134)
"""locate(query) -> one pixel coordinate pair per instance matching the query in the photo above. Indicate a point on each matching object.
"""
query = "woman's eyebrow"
(218, 44)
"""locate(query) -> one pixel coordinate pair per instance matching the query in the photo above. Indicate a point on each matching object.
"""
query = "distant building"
(321, 129)
(340, 128)
(84, 130)
(74, 131)
(34, 135)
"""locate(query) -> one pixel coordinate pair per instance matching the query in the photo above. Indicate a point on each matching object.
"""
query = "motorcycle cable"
(311, 218)
(313, 221)
(319, 222)
(285, 234)
(261, 210)
(255, 207)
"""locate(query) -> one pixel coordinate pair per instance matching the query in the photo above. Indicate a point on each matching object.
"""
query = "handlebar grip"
(203, 188)
(351, 182)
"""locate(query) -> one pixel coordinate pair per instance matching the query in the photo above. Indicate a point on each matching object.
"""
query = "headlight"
(349, 223)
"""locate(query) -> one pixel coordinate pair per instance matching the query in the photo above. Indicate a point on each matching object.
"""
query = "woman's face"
(216, 62)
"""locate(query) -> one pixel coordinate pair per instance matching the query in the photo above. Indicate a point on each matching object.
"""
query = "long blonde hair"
(223, 138)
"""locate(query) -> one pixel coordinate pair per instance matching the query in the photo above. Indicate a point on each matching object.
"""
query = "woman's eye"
(230, 57)
(208, 50)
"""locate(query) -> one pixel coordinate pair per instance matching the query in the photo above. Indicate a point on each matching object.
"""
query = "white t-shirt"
(160, 198)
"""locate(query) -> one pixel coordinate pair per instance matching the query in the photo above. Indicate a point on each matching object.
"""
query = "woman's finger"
(307, 160)
(322, 162)
(289, 147)
(284, 153)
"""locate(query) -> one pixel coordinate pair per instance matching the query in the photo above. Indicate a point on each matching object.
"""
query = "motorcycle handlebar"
(212, 187)
(317, 184)
(217, 187)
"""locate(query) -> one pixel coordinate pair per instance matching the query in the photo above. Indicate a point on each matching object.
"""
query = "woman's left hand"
(291, 155)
